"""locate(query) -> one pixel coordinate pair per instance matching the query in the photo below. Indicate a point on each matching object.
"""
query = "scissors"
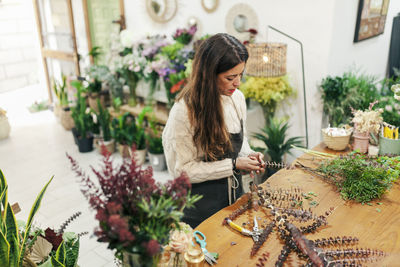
(201, 239)
(255, 234)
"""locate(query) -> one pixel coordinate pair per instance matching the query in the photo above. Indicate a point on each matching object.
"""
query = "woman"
(204, 135)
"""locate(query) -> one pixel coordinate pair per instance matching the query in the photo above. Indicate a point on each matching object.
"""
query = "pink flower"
(152, 247)
(179, 241)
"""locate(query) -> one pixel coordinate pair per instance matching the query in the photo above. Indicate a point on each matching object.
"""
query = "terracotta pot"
(110, 145)
(361, 142)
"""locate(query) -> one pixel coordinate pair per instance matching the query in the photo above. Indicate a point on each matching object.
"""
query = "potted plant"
(155, 148)
(13, 244)
(93, 91)
(51, 247)
(274, 136)
(139, 136)
(104, 121)
(123, 128)
(59, 89)
(4, 125)
(62, 108)
(83, 131)
(365, 123)
(135, 214)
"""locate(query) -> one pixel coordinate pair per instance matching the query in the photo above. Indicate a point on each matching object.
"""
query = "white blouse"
(181, 153)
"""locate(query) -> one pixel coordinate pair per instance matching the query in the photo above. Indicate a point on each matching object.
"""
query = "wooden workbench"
(375, 230)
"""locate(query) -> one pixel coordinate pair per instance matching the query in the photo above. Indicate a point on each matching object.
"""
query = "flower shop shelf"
(160, 113)
(375, 225)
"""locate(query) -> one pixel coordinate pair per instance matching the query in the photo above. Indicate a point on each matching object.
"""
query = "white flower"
(126, 38)
(397, 97)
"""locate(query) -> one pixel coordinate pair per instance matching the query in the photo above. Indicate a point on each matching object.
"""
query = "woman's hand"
(260, 158)
(249, 164)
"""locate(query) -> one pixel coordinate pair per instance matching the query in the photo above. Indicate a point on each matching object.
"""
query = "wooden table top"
(376, 226)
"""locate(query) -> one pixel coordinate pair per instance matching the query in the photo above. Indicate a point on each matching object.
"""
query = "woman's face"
(229, 80)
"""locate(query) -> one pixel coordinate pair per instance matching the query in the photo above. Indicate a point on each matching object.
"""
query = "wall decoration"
(161, 11)
(239, 20)
(371, 18)
(209, 5)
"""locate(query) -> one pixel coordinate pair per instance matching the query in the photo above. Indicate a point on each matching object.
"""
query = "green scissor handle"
(201, 241)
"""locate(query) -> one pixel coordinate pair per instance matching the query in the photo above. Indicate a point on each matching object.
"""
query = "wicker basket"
(336, 142)
(266, 59)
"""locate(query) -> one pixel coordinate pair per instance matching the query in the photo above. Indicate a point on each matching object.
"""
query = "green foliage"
(81, 114)
(12, 244)
(154, 140)
(274, 136)
(94, 86)
(267, 91)
(66, 254)
(95, 52)
(104, 120)
(171, 51)
(117, 103)
(391, 106)
(359, 177)
(128, 131)
(60, 91)
(123, 128)
(342, 92)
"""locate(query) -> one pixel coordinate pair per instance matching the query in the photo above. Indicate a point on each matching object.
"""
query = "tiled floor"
(33, 153)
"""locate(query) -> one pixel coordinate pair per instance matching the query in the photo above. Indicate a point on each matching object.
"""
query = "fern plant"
(274, 137)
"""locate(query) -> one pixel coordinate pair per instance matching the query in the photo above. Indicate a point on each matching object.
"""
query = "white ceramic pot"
(158, 162)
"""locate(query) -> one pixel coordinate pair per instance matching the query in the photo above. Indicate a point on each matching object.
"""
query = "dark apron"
(215, 192)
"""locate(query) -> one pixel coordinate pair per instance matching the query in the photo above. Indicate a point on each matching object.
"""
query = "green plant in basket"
(274, 136)
(12, 244)
(60, 90)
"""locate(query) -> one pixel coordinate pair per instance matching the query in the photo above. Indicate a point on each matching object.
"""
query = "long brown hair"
(202, 96)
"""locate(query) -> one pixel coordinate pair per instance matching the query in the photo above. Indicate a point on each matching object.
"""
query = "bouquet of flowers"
(367, 121)
(135, 213)
(184, 36)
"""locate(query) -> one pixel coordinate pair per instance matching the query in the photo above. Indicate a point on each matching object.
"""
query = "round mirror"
(158, 7)
(161, 10)
(240, 23)
(239, 19)
(209, 5)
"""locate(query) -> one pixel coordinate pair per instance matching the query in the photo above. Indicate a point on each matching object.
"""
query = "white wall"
(325, 27)
(370, 55)
(19, 47)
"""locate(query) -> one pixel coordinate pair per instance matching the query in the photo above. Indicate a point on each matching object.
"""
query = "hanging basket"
(266, 59)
